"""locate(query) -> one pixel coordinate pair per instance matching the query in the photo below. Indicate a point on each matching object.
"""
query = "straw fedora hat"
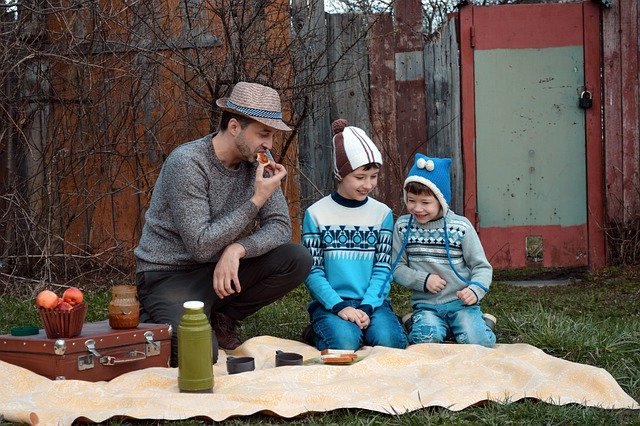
(258, 102)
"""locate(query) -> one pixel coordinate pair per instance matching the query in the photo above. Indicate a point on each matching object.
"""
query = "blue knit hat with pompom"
(434, 173)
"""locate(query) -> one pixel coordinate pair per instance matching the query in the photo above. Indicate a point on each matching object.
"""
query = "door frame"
(596, 239)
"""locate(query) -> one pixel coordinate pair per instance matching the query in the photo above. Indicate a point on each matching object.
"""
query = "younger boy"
(349, 237)
(441, 260)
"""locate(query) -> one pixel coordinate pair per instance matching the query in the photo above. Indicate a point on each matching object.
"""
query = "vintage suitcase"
(98, 353)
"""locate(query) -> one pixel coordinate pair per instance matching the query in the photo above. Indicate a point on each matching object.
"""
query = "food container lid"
(25, 330)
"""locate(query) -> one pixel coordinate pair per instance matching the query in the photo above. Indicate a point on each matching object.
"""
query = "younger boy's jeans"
(437, 323)
(332, 332)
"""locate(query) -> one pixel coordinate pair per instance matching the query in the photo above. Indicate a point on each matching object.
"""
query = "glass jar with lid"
(124, 308)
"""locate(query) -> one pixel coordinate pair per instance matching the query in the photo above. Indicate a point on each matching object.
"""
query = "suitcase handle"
(133, 356)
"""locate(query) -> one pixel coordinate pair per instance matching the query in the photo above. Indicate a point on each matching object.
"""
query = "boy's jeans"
(332, 332)
(437, 323)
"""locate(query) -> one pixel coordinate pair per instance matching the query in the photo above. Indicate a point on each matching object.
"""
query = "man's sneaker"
(490, 321)
(226, 331)
(407, 322)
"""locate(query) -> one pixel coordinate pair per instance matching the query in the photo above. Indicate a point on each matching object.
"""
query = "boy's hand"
(467, 296)
(435, 284)
(365, 318)
(354, 315)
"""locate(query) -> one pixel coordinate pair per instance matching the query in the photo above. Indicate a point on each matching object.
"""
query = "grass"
(595, 320)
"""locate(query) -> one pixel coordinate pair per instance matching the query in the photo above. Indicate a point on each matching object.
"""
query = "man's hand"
(265, 186)
(360, 318)
(435, 284)
(225, 275)
(467, 296)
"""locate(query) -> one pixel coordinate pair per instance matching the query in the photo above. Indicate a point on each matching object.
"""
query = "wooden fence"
(414, 105)
(96, 96)
(406, 96)
(79, 161)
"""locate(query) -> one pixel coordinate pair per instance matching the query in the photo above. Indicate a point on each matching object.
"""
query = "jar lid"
(25, 330)
(124, 288)
(193, 304)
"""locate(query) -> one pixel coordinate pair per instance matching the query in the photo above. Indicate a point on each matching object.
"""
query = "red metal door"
(523, 68)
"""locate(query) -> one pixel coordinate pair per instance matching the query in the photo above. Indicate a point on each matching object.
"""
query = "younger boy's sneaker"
(407, 322)
(490, 321)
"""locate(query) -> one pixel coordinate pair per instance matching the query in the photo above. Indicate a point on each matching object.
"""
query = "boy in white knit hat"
(349, 236)
(440, 257)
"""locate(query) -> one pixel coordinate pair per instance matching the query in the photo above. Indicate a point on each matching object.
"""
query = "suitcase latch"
(85, 362)
(151, 348)
(91, 347)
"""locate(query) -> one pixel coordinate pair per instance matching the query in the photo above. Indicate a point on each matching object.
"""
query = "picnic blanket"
(382, 379)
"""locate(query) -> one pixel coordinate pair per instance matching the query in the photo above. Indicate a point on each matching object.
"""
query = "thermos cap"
(193, 304)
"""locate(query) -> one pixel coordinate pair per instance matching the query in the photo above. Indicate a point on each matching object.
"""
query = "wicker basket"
(63, 323)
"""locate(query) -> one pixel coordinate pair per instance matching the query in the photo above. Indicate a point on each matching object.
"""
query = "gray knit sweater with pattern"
(425, 253)
(199, 207)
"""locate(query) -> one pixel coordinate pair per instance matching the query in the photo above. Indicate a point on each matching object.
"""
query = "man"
(200, 242)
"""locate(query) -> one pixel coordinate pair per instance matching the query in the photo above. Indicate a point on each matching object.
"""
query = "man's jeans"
(263, 279)
(332, 332)
(437, 323)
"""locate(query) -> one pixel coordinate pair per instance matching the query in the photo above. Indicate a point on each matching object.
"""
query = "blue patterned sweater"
(425, 253)
(350, 242)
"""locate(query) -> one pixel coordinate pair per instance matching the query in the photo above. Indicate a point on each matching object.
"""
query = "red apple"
(46, 299)
(64, 306)
(73, 296)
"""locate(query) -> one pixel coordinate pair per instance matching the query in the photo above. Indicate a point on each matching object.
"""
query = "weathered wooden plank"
(408, 25)
(312, 104)
(612, 103)
(410, 97)
(454, 118)
(116, 48)
(433, 80)
(442, 83)
(347, 55)
(383, 112)
(467, 94)
(629, 12)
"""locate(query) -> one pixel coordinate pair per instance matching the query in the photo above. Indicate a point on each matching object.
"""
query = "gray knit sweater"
(425, 253)
(199, 207)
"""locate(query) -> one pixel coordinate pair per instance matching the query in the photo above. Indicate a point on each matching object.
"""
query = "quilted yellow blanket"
(383, 380)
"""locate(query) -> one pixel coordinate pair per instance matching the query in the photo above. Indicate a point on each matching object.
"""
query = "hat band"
(255, 112)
